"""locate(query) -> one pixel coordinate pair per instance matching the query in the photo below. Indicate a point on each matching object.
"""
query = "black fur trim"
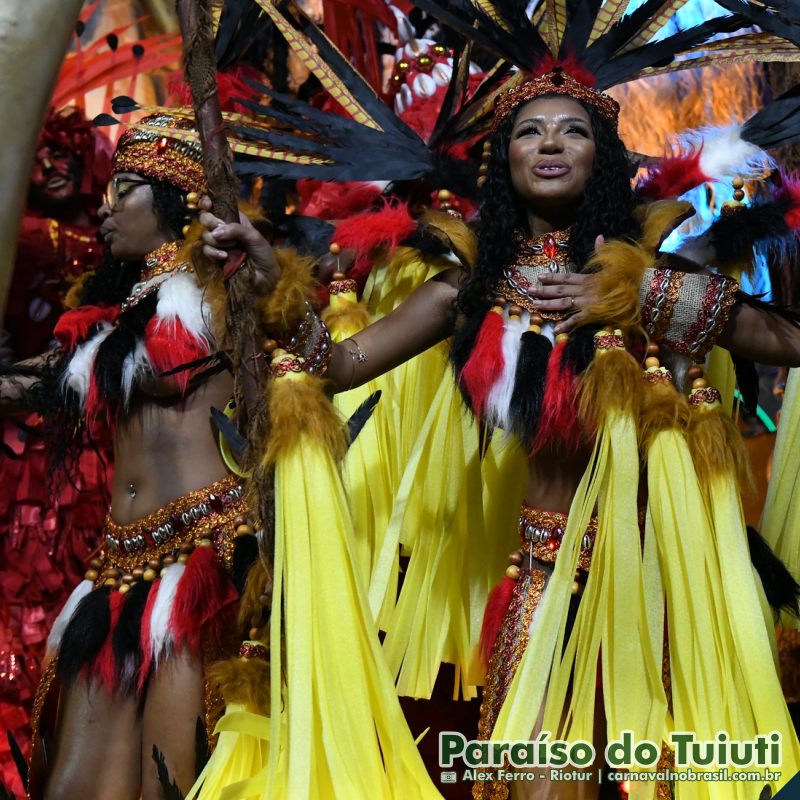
(361, 415)
(579, 349)
(118, 345)
(781, 589)
(85, 634)
(734, 235)
(245, 553)
(526, 400)
(126, 639)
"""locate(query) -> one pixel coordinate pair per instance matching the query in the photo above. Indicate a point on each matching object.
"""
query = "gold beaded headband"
(558, 82)
(162, 157)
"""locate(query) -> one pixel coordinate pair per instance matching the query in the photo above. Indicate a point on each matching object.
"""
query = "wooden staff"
(200, 68)
(242, 322)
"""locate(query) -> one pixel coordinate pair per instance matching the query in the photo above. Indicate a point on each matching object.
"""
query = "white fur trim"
(726, 154)
(66, 614)
(498, 402)
(135, 366)
(160, 634)
(181, 298)
(78, 374)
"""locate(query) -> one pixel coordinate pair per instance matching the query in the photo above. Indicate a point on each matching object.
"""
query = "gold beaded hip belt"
(140, 549)
(541, 533)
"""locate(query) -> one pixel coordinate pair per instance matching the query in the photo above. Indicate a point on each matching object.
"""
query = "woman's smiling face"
(551, 152)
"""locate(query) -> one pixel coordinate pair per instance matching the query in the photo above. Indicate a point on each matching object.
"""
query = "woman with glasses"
(125, 681)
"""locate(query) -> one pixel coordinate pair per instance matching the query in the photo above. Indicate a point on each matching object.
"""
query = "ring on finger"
(571, 303)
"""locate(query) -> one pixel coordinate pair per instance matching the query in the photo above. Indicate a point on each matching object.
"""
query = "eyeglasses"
(119, 188)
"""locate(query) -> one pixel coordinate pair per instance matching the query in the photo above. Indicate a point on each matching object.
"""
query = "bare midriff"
(553, 479)
(166, 447)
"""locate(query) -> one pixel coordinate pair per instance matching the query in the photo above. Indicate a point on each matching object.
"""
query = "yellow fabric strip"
(781, 518)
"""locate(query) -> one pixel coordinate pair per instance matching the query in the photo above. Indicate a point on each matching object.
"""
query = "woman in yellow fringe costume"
(568, 283)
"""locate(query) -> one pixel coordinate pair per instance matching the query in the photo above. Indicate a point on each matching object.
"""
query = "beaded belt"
(541, 533)
(207, 517)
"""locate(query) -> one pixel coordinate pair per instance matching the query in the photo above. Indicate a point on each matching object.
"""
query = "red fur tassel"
(170, 345)
(557, 425)
(364, 233)
(147, 649)
(73, 327)
(205, 603)
(485, 364)
(496, 610)
(673, 177)
(104, 667)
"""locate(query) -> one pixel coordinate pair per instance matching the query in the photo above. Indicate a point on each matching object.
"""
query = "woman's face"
(131, 228)
(551, 153)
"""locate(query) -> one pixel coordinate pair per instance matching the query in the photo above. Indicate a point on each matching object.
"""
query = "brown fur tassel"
(662, 408)
(619, 266)
(613, 379)
(258, 583)
(285, 306)
(242, 680)
(457, 234)
(717, 446)
(298, 405)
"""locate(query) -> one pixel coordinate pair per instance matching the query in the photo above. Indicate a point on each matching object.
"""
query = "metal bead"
(513, 572)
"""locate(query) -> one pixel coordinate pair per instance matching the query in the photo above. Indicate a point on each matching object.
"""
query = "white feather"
(135, 366)
(181, 298)
(66, 613)
(160, 634)
(78, 374)
(499, 400)
(548, 331)
(725, 153)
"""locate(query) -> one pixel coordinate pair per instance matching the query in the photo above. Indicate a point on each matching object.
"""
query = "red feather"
(104, 667)
(329, 200)
(147, 650)
(73, 327)
(205, 602)
(366, 232)
(170, 345)
(789, 192)
(673, 176)
(570, 65)
(559, 405)
(485, 363)
(496, 610)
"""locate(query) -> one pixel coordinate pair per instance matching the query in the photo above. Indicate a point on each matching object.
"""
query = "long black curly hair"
(65, 427)
(606, 208)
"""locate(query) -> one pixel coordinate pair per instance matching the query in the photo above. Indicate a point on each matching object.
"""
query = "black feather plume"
(20, 761)
(169, 789)
(201, 750)
(245, 553)
(777, 124)
(227, 427)
(85, 634)
(734, 235)
(579, 350)
(528, 395)
(358, 419)
(127, 636)
(781, 589)
(747, 381)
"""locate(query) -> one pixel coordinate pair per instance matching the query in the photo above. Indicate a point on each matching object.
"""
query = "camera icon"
(448, 777)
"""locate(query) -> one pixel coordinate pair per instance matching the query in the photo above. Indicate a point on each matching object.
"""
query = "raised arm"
(424, 319)
(420, 322)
